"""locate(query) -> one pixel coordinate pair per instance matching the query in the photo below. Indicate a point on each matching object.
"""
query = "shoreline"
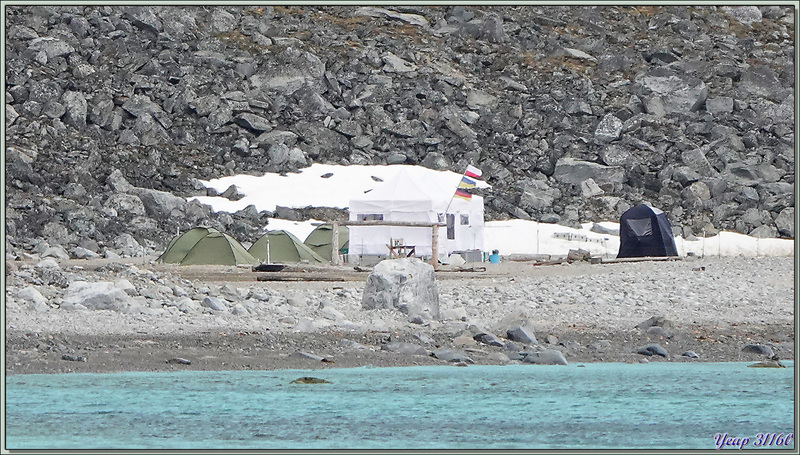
(232, 351)
(587, 312)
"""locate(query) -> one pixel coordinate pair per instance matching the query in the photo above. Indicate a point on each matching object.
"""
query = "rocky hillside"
(573, 113)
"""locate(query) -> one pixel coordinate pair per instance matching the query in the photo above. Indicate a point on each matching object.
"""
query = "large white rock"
(47, 263)
(57, 252)
(36, 301)
(608, 129)
(31, 294)
(406, 284)
(127, 287)
(100, 295)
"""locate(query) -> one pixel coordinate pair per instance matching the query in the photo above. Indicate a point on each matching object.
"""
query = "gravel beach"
(717, 308)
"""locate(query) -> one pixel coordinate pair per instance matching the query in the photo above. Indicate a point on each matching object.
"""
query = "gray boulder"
(222, 21)
(352, 345)
(488, 338)
(159, 203)
(83, 253)
(785, 222)
(99, 295)
(719, 105)
(758, 349)
(289, 72)
(451, 355)
(572, 171)
(75, 109)
(11, 115)
(56, 251)
(308, 355)
(50, 47)
(405, 284)
(31, 295)
(413, 19)
(215, 304)
(47, 263)
(123, 203)
(404, 348)
(253, 122)
(126, 245)
(521, 334)
(395, 64)
(656, 321)
(45, 92)
(546, 357)
(675, 94)
(118, 182)
(608, 129)
(659, 332)
(746, 15)
(652, 349)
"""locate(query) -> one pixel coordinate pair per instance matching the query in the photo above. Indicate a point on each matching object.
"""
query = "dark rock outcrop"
(574, 113)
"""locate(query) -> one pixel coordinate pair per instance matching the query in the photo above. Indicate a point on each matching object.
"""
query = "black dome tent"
(645, 231)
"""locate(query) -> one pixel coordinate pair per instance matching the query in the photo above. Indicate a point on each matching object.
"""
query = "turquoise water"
(637, 406)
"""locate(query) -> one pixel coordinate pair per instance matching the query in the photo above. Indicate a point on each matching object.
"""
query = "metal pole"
(704, 244)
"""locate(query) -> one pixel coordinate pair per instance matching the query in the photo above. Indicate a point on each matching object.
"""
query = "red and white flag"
(473, 172)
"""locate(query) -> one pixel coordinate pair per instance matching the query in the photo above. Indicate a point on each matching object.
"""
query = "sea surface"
(658, 405)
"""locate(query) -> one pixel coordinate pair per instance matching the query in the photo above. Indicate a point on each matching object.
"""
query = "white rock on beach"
(31, 294)
(101, 295)
(406, 284)
(47, 263)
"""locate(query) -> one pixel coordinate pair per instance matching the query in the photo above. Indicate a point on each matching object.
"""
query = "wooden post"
(335, 244)
(435, 246)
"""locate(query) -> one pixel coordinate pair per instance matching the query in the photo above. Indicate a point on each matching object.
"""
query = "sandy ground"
(589, 312)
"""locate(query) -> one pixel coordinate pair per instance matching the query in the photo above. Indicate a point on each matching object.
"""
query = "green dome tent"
(283, 247)
(180, 246)
(217, 248)
(320, 239)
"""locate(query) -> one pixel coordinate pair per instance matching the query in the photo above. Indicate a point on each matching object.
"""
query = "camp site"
(408, 211)
(343, 226)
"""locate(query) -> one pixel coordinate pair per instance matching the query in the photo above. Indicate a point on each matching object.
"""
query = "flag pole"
(458, 185)
(451, 201)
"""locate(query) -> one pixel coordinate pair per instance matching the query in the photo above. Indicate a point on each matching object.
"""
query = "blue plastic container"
(494, 258)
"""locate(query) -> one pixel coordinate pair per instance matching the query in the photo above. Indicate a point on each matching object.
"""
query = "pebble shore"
(216, 318)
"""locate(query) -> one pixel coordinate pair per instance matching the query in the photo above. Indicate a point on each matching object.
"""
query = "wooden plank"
(642, 259)
(282, 277)
(435, 246)
(388, 223)
(335, 244)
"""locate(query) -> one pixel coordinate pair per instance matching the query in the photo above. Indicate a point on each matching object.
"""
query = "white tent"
(406, 197)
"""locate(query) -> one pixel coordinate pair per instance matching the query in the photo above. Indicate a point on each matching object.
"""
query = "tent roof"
(322, 235)
(641, 210)
(407, 192)
(218, 249)
(180, 245)
(320, 239)
(283, 247)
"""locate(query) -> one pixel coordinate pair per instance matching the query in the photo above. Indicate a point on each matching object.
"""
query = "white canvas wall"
(405, 198)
